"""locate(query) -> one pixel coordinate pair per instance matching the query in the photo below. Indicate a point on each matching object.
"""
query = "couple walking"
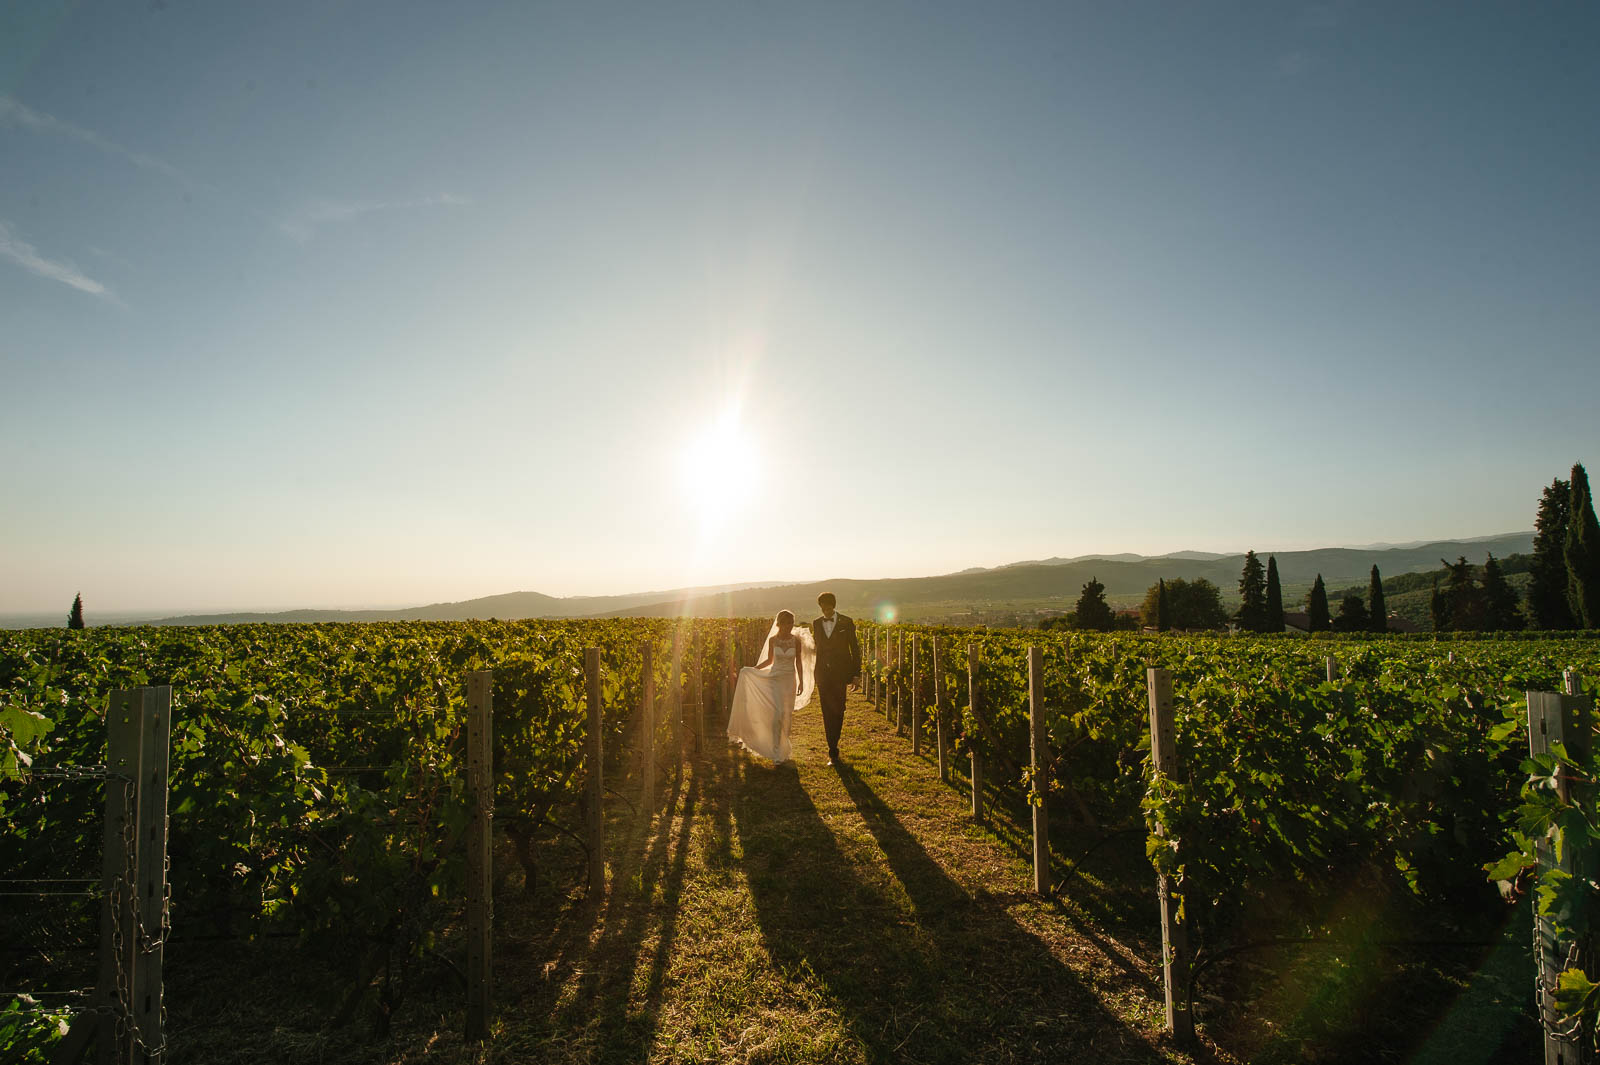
(766, 696)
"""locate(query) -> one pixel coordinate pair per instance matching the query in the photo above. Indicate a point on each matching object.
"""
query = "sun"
(719, 472)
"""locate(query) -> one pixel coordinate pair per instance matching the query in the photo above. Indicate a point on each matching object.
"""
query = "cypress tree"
(1547, 591)
(75, 619)
(1252, 595)
(1317, 608)
(1583, 553)
(1163, 612)
(1274, 621)
(1500, 613)
(1378, 617)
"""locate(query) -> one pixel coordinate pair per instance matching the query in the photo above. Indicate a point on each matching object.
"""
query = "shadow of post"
(641, 906)
(936, 976)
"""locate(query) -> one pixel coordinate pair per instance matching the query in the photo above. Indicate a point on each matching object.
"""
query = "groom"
(838, 665)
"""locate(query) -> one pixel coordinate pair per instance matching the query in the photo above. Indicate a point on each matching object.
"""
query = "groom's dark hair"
(826, 599)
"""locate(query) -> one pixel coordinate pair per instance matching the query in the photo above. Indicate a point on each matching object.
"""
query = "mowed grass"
(759, 913)
(802, 913)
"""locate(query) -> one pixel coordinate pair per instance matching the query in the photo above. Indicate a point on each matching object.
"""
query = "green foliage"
(317, 781)
(29, 1030)
(1378, 610)
(1557, 814)
(1582, 553)
(1274, 615)
(1092, 611)
(22, 732)
(1317, 619)
(1402, 776)
(1500, 609)
(1192, 605)
(1547, 591)
(1352, 615)
(1460, 606)
(1252, 615)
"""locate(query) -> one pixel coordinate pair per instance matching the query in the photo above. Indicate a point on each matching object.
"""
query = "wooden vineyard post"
(1039, 761)
(594, 789)
(1333, 669)
(647, 727)
(942, 736)
(1174, 933)
(877, 670)
(124, 765)
(888, 677)
(1570, 682)
(916, 696)
(880, 651)
(699, 692)
(972, 746)
(1564, 719)
(900, 720)
(870, 679)
(877, 675)
(151, 885)
(675, 697)
(129, 1024)
(480, 853)
(729, 680)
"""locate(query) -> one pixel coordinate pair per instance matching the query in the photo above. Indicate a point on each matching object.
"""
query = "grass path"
(803, 913)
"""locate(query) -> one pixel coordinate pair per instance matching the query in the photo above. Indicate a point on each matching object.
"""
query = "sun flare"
(719, 472)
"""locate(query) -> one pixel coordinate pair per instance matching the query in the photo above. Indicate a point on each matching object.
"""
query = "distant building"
(1296, 621)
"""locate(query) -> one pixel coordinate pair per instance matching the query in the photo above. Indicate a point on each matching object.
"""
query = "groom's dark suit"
(838, 663)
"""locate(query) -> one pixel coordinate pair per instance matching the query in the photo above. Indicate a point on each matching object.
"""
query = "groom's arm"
(855, 653)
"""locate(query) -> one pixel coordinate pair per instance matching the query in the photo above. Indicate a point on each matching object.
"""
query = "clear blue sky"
(371, 303)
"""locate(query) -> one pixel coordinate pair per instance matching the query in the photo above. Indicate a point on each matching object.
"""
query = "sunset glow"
(719, 473)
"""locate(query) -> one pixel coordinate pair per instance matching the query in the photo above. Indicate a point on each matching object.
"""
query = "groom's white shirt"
(827, 625)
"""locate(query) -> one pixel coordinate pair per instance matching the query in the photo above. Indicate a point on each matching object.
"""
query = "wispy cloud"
(15, 113)
(303, 222)
(27, 256)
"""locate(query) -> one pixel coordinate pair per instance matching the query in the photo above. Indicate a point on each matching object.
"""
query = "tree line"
(1563, 590)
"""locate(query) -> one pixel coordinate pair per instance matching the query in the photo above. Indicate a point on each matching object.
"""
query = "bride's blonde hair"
(784, 620)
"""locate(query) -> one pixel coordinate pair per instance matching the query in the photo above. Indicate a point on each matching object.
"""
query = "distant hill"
(1411, 594)
(1033, 586)
(509, 605)
(1022, 587)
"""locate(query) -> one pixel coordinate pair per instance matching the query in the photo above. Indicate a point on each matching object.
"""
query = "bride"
(767, 695)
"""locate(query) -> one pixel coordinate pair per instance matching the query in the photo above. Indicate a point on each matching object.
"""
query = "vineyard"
(319, 790)
(1388, 768)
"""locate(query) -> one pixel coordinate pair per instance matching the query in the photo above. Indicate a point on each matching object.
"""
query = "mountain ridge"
(1039, 584)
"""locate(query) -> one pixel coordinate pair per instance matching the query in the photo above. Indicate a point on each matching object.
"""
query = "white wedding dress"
(766, 697)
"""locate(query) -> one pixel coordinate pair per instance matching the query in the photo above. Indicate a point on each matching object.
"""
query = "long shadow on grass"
(618, 996)
(1112, 892)
(955, 979)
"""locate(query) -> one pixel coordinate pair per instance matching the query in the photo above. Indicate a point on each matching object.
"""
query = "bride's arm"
(799, 667)
(767, 661)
